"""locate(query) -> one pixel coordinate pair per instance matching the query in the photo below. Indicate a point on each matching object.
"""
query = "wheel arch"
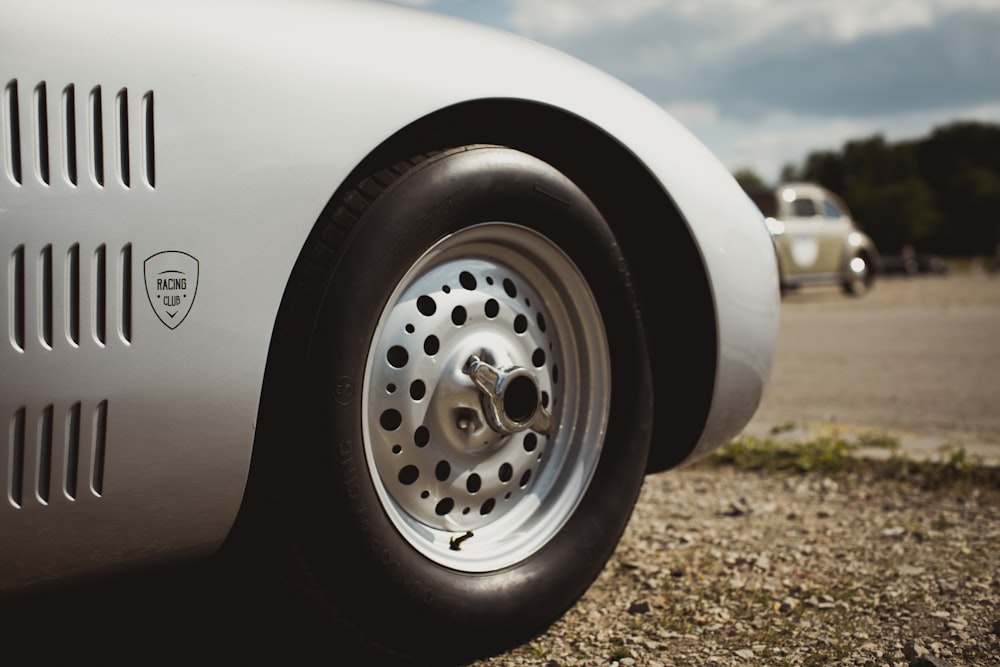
(669, 276)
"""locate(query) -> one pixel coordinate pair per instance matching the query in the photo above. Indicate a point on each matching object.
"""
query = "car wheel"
(859, 277)
(481, 404)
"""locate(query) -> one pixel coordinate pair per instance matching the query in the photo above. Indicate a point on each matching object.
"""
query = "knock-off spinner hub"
(511, 399)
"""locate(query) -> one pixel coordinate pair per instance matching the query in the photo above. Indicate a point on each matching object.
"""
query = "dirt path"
(918, 358)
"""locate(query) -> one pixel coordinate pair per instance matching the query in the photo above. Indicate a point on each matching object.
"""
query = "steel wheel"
(486, 393)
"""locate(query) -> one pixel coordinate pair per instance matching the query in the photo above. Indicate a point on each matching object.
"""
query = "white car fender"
(155, 141)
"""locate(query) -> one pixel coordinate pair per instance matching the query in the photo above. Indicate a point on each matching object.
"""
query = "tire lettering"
(343, 390)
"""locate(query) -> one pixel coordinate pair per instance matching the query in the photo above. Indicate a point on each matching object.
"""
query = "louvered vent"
(52, 451)
(87, 131)
(69, 297)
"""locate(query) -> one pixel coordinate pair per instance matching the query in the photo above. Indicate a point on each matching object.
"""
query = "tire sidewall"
(392, 593)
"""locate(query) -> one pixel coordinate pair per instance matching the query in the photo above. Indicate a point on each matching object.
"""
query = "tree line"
(939, 194)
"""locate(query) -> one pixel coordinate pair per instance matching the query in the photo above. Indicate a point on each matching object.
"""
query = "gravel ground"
(723, 567)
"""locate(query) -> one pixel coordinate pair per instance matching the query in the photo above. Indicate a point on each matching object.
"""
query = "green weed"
(835, 455)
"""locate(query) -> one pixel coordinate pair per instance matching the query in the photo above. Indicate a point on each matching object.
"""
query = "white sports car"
(425, 300)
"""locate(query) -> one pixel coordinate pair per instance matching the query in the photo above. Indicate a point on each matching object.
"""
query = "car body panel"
(221, 132)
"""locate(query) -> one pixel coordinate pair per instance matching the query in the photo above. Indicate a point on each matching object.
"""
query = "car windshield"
(803, 208)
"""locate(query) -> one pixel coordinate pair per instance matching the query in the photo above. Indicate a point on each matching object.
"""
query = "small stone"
(744, 653)
(913, 650)
(788, 604)
(930, 661)
(736, 508)
(638, 608)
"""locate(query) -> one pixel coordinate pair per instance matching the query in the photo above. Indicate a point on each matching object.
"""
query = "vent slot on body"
(45, 296)
(99, 290)
(124, 165)
(125, 294)
(12, 131)
(15, 299)
(73, 294)
(42, 133)
(46, 452)
(97, 136)
(47, 139)
(69, 132)
(15, 476)
(149, 139)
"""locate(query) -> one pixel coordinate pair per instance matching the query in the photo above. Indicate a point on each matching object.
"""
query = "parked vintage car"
(816, 239)
(910, 262)
(408, 291)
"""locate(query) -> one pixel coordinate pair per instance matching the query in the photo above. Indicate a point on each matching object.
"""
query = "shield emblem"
(171, 284)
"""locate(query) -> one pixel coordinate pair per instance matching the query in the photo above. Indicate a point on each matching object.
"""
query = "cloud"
(555, 19)
(763, 82)
(828, 57)
(955, 62)
(842, 19)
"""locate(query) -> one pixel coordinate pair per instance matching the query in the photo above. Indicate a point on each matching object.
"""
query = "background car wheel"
(479, 405)
(859, 276)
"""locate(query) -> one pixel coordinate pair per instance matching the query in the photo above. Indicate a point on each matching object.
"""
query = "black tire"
(434, 569)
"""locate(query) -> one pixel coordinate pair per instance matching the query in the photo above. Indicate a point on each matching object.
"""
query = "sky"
(765, 82)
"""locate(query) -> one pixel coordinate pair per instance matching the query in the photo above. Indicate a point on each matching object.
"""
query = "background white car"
(423, 300)
(816, 239)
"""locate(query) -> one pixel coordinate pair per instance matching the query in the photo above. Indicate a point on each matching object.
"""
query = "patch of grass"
(537, 650)
(940, 523)
(834, 455)
(822, 455)
(783, 427)
(955, 470)
(878, 440)
(619, 653)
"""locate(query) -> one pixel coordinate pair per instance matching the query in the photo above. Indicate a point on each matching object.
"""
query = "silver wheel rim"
(466, 494)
